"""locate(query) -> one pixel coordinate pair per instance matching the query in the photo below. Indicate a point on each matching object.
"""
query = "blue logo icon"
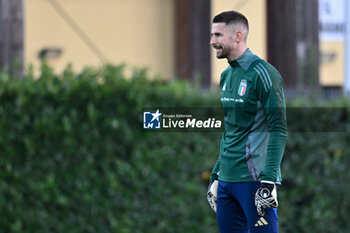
(151, 120)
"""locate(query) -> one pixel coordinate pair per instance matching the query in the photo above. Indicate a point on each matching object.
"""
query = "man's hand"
(212, 194)
(266, 197)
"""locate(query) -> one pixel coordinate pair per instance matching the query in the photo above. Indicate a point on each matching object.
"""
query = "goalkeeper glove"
(212, 194)
(266, 197)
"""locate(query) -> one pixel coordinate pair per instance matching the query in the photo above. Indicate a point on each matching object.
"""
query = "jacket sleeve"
(216, 169)
(215, 172)
(270, 92)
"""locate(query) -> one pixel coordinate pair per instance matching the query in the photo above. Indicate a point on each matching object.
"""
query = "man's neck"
(237, 53)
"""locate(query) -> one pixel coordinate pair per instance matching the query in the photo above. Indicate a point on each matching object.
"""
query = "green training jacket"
(252, 145)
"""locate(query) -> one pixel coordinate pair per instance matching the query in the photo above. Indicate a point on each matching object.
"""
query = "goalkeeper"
(242, 190)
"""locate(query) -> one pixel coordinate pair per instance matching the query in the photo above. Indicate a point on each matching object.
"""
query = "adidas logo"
(261, 222)
(224, 87)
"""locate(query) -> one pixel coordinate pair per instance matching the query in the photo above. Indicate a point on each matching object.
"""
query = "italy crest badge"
(242, 87)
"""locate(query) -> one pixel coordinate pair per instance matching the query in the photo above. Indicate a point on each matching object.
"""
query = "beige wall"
(137, 32)
(332, 63)
(140, 33)
(255, 11)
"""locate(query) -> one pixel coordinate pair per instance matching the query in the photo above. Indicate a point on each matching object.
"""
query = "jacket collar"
(244, 60)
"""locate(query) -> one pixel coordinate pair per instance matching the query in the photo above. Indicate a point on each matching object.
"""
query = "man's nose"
(212, 41)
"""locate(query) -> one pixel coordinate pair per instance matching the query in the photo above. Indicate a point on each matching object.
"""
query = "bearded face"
(222, 39)
(222, 50)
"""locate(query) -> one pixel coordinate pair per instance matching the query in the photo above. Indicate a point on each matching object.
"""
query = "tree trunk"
(293, 45)
(192, 40)
(11, 37)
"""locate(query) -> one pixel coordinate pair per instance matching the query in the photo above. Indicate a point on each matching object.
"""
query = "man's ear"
(239, 36)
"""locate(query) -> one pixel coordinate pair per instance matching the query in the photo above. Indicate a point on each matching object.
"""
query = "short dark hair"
(230, 17)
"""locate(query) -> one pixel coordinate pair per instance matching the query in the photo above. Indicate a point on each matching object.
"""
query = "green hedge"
(74, 158)
(315, 195)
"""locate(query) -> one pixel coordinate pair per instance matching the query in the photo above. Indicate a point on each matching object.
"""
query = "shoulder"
(266, 73)
(261, 66)
(226, 71)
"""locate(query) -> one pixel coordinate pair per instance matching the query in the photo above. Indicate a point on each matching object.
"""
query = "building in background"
(139, 33)
(332, 42)
(169, 37)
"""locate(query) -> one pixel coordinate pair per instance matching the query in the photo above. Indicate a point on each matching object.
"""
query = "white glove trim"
(212, 194)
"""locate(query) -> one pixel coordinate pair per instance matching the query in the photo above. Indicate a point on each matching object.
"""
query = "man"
(252, 146)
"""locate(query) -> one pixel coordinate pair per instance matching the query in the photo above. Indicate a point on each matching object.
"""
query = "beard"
(222, 52)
